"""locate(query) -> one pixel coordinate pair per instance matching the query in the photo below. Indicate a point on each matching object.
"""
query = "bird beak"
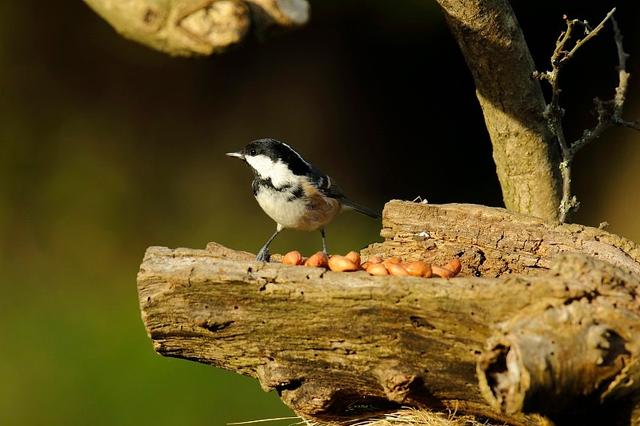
(236, 154)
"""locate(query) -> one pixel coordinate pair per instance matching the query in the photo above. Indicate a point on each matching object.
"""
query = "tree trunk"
(525, 152)
(339, 346)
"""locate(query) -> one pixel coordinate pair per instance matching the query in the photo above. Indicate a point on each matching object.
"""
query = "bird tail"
(359, 208)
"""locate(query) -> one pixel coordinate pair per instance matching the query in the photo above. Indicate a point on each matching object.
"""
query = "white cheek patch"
(278, 172)
(260, 163)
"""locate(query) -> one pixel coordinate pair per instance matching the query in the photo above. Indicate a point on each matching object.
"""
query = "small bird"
(291, 191)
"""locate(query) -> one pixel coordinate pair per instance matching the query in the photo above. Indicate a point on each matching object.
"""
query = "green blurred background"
(107, 147)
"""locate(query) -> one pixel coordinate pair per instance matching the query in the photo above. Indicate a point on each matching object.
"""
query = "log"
(198, 27)
(339, 346)
(492, 241)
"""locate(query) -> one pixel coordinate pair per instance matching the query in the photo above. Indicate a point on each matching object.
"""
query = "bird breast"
(303, 208)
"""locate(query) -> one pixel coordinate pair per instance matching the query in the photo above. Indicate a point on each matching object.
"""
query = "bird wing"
(329, 189)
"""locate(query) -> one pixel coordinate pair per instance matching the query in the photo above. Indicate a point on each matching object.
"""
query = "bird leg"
(324, 241)
(263, 254)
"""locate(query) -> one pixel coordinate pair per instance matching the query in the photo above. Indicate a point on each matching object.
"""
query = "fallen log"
(516, 348)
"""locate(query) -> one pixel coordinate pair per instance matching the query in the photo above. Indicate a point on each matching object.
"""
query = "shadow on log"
(519, 348)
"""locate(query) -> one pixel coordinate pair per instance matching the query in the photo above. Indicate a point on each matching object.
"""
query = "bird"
(293, 192)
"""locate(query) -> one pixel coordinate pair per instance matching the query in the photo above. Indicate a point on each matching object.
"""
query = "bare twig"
(623, 81)
(623, 75)
(629, 124)
(554, 112)
(608, 112)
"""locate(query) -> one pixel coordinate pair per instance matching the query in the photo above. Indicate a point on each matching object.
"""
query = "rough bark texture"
(198, 27)
(492, 241)
(525, 152)
(337, 346)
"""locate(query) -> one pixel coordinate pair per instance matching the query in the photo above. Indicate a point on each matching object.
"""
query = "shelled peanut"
(377, 269)
(318, 260)
(375, 265)
(292, 258)
(342, 264)
(418, 269)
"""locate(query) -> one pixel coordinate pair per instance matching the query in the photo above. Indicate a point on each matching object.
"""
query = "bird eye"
(252, 152)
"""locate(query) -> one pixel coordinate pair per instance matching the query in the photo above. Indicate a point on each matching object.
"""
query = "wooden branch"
(491, 241)
(512, 102)
(342, 345)
(198, 27)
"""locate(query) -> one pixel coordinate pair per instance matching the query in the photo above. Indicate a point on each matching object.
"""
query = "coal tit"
(291, 191)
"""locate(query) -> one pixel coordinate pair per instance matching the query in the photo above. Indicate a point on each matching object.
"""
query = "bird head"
(272, 159)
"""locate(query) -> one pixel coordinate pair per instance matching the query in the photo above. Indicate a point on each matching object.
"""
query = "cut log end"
(571, 351)
(502, 378)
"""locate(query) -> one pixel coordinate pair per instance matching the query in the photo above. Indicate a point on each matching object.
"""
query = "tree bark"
(525, 152)
(491, 241)
(339, 346)
(198, 27)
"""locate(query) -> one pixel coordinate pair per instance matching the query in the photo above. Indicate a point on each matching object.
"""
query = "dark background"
(107, 147)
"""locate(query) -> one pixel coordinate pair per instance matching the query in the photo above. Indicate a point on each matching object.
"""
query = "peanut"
(454, 266)
(318, 260)
(418, 269)
(339, 263)
(391, 261)
(442, 272)
(292, 258)
(353, 256)
(377, 269)
(396, 269)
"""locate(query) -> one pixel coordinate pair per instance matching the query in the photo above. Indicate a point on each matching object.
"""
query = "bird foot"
(263, 255)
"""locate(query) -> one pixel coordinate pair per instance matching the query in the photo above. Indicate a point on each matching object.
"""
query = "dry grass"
(423, 418)
(404, 417)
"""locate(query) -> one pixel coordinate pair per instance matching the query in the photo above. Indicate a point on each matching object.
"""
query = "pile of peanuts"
(374, 265)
